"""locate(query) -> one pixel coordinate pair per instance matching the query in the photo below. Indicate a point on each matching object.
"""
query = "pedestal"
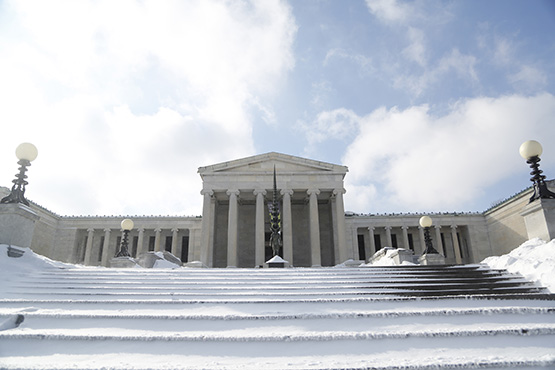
(122, 262)
(403, 255)
(277, 262)
(539, 218)
(17, 224)
(431, 259)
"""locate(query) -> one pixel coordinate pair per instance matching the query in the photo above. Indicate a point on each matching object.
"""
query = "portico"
(235, 222)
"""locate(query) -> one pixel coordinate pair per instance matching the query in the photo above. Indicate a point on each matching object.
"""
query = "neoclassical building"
(234, 228)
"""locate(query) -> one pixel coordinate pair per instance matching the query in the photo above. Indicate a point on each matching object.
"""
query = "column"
(106, 247)
(232, 224)
(206, 239)
(157, 232)
(141, 242)
(372, 242)
(422, 239)
(354, 250)
(88, 247)
(340, 227)
(388, 241)
(314, 228)
(193, 255)
(175, 252)
(259, 254)
(456, 245)
(287, 226)
(405, 229)
(439, 247)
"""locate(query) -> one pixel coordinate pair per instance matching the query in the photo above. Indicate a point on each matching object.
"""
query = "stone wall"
(505, 226)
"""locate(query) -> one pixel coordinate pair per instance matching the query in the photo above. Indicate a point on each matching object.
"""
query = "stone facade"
(234, 228)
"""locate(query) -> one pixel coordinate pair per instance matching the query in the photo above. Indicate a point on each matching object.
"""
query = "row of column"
(404, 228)
(207, 247)
(141, 247)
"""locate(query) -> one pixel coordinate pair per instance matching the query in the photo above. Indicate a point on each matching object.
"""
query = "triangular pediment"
(264, 163)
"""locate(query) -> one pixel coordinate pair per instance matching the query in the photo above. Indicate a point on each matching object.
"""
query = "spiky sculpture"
(275, 238)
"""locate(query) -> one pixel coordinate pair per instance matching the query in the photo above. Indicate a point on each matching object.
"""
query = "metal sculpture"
(540, 187)
(275, 238)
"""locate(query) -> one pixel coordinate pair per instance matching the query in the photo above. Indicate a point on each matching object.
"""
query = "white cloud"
(363, 62)
(462, 65)
(420, 162)
(339, 124)
(521, 72)
(528, 78)
(125, 100)
(390, 11)
(416, 51)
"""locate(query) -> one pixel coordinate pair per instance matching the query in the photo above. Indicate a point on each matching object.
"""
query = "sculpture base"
(123, 262)
(276, 262)
(17, 224)
(539, 218)
(431, 259)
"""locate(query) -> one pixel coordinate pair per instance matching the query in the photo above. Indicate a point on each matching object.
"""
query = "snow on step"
(275, 319)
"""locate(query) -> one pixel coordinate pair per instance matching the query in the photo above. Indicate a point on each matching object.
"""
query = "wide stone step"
(448, 316)
(127, 349)
(276, 334)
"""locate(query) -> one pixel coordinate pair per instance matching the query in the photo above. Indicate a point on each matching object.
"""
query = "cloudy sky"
(426, 102)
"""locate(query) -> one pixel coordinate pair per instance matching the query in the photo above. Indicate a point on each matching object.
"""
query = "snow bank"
(166, 261)
(534, 259)
(391, 257)
(29, 261)
(165, 264)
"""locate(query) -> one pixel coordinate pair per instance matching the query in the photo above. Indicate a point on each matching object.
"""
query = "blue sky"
(425, 101)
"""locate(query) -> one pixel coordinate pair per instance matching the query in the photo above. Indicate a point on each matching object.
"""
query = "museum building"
(234, 229)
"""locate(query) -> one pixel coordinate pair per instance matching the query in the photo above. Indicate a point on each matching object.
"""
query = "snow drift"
(534, 259)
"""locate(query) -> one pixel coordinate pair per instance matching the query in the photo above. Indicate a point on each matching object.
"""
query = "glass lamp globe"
(26, 151)
(530, 148)
(425, 221)
(127, 224)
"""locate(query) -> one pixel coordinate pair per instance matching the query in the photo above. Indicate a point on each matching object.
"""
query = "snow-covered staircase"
(329, 318)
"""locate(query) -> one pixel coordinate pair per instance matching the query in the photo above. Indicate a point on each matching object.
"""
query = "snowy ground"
(92, 317)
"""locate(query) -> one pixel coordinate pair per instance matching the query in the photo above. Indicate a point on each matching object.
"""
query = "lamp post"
(26, 153)
(126, 225)
(426, 223)
(531, 151)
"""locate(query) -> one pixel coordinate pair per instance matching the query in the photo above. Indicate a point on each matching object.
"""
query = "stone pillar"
(388, 241)
(157, 232)
(192, 256)
(206, 237)
(439, 246)
(340, 227)
(539, 218)
(17, 224)
(105, 248)
(405, 229)
(175, 252)
(287, 227)
(371, 242)
(232, 224)
(88, 248)
(259, 234)
(141, 242)
(354, 250)
(456, 245)
(316, 259)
